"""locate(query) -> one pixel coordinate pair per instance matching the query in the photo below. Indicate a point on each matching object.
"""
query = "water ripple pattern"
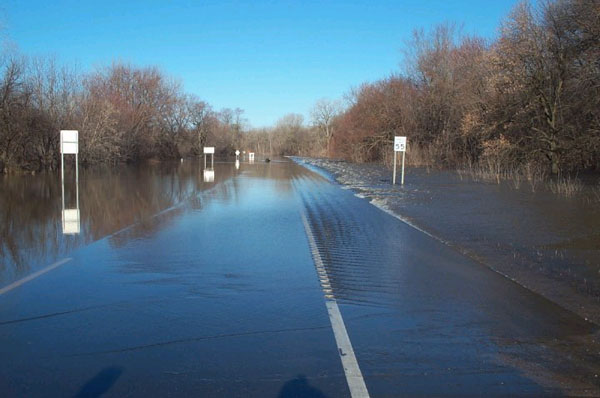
(358, 254)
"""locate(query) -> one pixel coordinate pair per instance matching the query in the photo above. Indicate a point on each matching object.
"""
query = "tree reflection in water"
(110, 199)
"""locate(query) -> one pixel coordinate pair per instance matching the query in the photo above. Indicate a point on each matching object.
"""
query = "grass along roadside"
(498, 169)
(534, 178)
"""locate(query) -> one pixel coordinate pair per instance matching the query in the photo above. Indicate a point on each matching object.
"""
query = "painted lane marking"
(28, 278)
(354, 377)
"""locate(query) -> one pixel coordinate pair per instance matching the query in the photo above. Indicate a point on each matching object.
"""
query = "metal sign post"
(69, 145)
(402, 179)
(209, 150)
(399, 146)
(209, 174)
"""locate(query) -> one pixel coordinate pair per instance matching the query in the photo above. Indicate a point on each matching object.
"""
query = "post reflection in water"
(237, 164)
(71, 221)
(36, 231)
(209, 175)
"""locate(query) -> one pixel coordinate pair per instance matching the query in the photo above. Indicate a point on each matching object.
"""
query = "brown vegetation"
(123, 114)
(289, 136)
(530, 98)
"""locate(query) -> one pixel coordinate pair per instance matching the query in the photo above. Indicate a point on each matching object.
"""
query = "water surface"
(109, 199)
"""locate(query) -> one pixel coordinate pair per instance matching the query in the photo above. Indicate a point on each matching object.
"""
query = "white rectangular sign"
(209, 149)
(399, 144)
(69, 142)
(70, 148)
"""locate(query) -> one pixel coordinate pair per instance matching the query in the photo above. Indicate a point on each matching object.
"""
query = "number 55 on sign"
(399, 146)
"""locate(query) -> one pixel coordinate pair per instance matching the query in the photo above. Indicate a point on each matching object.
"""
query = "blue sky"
(269, 58)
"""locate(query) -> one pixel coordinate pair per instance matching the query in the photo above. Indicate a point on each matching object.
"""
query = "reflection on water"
(71, 222)
(41, 220)
(390, 278)
(35, 211)
(209, 175)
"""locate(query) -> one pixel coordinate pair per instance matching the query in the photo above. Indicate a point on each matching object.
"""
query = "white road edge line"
(28, 278)
(354, 377)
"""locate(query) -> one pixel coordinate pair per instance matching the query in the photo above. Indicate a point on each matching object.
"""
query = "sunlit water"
(38, 224)
(190, 283)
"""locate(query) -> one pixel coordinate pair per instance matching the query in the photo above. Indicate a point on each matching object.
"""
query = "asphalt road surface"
(276, 282)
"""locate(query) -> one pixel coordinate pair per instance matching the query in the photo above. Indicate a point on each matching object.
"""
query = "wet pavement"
(544, 241)
(213, 291)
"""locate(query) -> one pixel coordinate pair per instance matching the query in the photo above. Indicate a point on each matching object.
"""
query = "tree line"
(529, 99)
(123, 114)
(532, 96)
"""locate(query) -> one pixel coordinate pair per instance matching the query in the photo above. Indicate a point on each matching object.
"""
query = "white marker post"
(209, 150)
(237, 155)
(69, 145)
(399, 146)
(251, 157)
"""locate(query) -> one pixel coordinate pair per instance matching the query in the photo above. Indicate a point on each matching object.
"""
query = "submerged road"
(278, 283)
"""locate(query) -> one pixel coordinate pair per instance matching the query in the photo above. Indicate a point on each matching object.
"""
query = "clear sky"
(269, 58)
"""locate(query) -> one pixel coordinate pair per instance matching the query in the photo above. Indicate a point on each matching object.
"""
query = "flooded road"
(175, 284)
(546, 242)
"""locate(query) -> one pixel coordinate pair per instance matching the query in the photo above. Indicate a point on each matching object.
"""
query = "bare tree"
(542, 106)
(14, 100)
(323, 115)
(55, 90)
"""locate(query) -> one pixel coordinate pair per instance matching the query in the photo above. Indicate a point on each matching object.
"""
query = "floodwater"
(32, 234)
(175, 282)
(544, 241)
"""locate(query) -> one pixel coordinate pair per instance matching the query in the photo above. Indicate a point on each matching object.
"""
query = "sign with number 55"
(399, 144)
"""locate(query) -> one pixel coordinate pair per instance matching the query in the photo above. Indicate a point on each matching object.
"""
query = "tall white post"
(77, 182)
(394, 178)
(399, 146)
(62, 166)
(62, 182)
(69, 144)
(403, 154)
(209, 150)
